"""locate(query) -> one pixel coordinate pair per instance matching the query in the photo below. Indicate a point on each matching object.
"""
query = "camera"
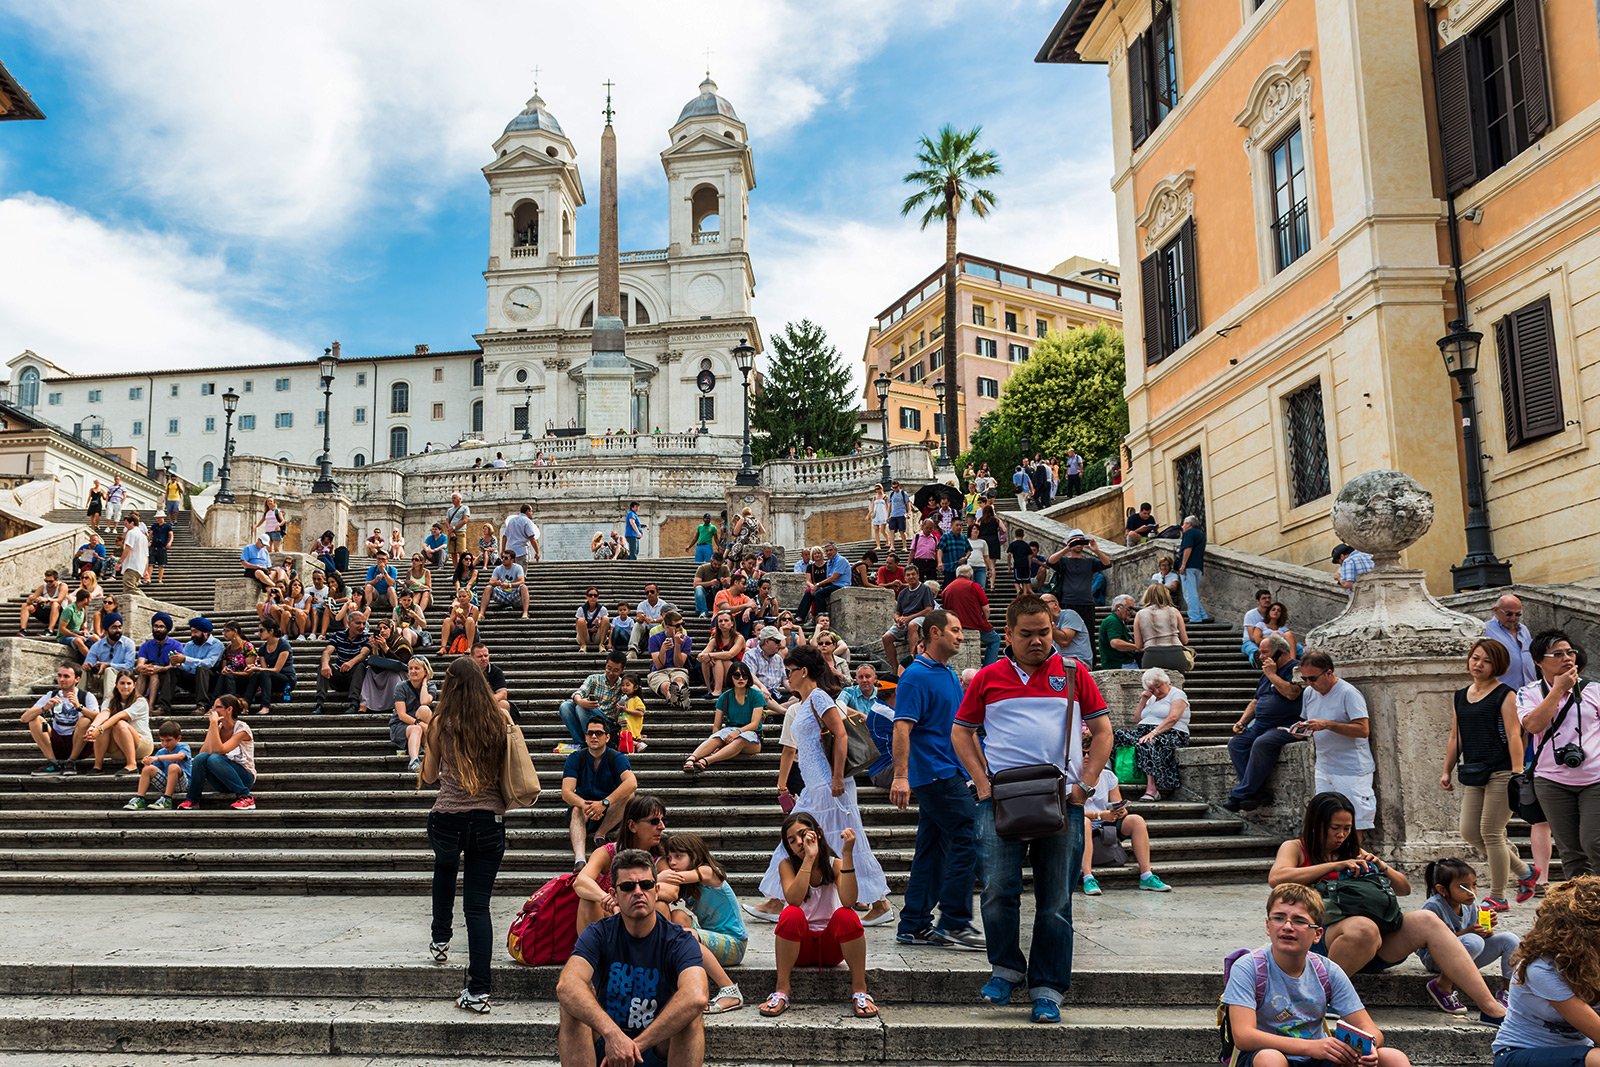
(1569, 756)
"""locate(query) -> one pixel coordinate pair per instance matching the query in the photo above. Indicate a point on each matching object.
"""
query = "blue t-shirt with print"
(1291, 1007)
(183, 765)
(635, 977)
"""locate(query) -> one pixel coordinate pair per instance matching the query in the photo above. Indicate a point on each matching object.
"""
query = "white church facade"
(684, 308)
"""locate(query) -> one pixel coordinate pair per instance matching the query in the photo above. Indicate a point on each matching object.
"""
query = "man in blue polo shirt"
(596, 782)
(946, 857)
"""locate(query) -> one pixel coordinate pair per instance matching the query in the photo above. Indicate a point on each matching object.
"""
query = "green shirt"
(706, 534)
(71, 621)
(1110, 658)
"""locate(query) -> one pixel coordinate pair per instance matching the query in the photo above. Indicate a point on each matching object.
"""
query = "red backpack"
(547, 927)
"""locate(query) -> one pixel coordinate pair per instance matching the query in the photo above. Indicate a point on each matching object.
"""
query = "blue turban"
(201, 623)
(162, 616)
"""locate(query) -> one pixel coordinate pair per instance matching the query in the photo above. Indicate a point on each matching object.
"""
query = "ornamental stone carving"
(1169, 203)
(1382, 512)
(557, 365)
(1281, 93)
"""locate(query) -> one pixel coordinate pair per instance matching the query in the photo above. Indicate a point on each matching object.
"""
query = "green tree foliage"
(806, 400)
(945, 180)
(1068, 394)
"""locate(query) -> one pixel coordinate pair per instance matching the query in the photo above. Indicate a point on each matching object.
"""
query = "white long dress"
(832, 813)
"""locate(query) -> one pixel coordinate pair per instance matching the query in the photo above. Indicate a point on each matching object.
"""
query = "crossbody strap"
(1561, 717)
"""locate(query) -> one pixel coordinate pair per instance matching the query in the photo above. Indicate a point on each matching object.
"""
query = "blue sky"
(230, 183)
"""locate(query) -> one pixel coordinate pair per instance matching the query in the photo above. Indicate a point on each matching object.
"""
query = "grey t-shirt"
(909, 601)
(1336, 753)
(1533, 1021)
(1291, 1007)
(1082, 646)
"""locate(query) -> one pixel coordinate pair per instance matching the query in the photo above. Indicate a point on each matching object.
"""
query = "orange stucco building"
(1284, 172)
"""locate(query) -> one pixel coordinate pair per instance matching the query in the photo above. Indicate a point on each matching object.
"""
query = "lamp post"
(744, 356)
(1481, 569)
(230, 404)
(938, 395)
(325, 482)
(880, 385)
(166, 462)
(527, 413)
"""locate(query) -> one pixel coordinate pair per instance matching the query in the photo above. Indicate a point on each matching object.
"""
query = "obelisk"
(608, 375)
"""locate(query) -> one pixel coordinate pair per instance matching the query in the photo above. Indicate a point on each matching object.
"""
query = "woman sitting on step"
(736, 730)
(1326, 856)
(1162, 729)
(227, 758)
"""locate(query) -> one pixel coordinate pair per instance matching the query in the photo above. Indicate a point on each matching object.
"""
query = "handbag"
(1474, 773)
(519, 782)
(1126, 766)
(1520, 797)
(1370, 895)
(1107, 844)
(1031, 801)
(860, 752)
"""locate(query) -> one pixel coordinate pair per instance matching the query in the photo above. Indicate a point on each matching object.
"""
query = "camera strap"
(1561, 717)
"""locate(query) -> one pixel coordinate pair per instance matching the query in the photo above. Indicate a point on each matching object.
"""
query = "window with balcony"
(1492, 93)
(1530, 377)
(1040, 327)
(979, 316)
(935, 359)
(1291, 223)
(1307, 444)
(1011, 322)
(1170, 296)
(1153, 73)
(910, 419)
(915, 373)
(989, 387)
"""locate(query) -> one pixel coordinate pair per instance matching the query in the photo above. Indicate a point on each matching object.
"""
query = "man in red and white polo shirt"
(1022, 705)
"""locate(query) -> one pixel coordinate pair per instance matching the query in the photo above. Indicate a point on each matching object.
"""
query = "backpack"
(547, 927)
(1229, 1055)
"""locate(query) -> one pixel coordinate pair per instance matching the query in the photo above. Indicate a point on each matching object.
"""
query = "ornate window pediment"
(1461, 17)
(1169, 203)
(1280, 96)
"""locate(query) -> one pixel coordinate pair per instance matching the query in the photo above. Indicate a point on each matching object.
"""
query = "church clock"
(522, 304)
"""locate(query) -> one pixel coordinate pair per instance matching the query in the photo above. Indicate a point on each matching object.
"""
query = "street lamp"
(1481, 569)
(938, 395)
(166, 462)
(880, 385)
(744, 356)
(527, 413)
(230, 404)
(325, 482)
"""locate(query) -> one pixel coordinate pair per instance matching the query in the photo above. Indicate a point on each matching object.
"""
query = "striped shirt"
(1026, 718)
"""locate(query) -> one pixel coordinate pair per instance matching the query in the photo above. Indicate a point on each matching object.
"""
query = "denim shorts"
(1561, 1056)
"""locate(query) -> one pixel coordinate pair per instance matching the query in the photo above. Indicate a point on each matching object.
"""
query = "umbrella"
(932, 492)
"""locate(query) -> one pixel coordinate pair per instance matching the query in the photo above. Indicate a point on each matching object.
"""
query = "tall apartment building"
(1301, 183)
(1002, 311)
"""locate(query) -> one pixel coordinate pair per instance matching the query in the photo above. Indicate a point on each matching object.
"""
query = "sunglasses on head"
(644, 884)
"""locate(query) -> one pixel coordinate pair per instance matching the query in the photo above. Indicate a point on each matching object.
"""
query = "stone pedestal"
(227, 525)
(861, 614)
(1406, 652)
(326, 511)
(234, 596)
(1207, 776)
(26, 662)
(788, 587)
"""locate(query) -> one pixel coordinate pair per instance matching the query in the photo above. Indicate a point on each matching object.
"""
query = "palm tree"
(950, 167)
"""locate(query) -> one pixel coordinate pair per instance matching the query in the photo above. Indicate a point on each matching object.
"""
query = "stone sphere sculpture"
(1382, 512)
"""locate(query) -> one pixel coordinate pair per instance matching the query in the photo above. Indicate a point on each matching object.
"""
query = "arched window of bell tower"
(705, 212)
(525, 229)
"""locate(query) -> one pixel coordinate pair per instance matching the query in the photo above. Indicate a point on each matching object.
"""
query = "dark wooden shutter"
(1453, 91)
(1535, 85)
(1138, 90)
(1538, 376)
(1191, 291)
(1508, 381)
(1150, 287)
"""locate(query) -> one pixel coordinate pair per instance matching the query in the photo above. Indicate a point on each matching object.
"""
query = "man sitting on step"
(599, 695)
(596, 782)
(343, 663)
(670, 652)
(508, 585)
(649, 612)
(195, 662)
(496, 677)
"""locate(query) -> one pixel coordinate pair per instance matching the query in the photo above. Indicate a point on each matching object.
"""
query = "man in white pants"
(1334, 713)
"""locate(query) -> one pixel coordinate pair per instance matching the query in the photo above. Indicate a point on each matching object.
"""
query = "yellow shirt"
(633, 715)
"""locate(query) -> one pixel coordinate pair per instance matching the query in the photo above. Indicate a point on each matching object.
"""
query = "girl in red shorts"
(818, 925)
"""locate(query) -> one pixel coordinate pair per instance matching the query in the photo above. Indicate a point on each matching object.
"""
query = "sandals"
(863, 1004)
(727, 992)
(776, 1005)
(1151, 796)
(695, 767)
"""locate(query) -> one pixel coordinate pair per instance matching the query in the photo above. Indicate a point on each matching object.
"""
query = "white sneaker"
(478, 1002)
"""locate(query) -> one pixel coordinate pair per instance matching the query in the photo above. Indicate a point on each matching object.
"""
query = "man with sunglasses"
(596, 782)
(634, 990)
(649, 612)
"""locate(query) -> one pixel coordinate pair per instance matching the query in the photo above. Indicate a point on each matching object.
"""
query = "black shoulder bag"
(1031, 801)
(1524, 802)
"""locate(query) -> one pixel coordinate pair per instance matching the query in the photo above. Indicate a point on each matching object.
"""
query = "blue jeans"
(1255, 756)
(1563, 1056)
(702, 553)
(945, 861)
(226, 776)
(990, 643)
(481, 837)
(980, 575)
(1056, 861)
(633, 547)
(1249, 648)
(574, 719)
(1189, 582)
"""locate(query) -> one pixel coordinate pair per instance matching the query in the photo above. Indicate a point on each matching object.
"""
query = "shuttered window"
(1307, 429)
(1530, 380)
(1152, 73)
(1492, 94)
(1170, 295)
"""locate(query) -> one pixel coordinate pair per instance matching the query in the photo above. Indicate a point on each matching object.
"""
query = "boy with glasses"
(1279, 996)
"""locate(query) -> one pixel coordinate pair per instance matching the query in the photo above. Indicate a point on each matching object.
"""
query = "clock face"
(522, 304)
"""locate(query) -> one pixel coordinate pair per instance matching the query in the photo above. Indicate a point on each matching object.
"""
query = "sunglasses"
(596, 733)
(655, 820)
(643, 884)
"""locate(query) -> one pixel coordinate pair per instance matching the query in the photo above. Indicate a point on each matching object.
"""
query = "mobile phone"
(1118, 806)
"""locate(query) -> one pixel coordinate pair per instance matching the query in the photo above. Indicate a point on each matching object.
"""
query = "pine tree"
(806, 400)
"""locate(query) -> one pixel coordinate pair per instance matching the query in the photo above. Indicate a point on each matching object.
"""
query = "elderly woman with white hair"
(1162, 729)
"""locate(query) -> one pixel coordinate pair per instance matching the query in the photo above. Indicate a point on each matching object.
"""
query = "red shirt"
(890, 575)
(1028, 720)
(970, 603)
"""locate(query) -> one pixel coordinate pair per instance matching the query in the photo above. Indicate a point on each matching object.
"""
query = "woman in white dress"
(828, 796)
(878, 516)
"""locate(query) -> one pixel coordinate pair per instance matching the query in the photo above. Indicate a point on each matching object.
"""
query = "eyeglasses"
(791, 670)
(596, 733)
(656, 820)
(1562, 653)
(1311, 677)
(1292, 920)
(643, 884)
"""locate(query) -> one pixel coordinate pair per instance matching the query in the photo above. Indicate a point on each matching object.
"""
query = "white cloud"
(92, 298)
(309, 119)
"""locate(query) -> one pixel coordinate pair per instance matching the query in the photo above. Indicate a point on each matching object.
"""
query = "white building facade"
(686, 306)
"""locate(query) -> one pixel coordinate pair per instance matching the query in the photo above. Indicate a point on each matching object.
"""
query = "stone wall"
(1101, 512)
(1566, 607)
(25, 557)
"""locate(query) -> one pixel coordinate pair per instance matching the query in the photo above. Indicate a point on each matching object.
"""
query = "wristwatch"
(605, 802)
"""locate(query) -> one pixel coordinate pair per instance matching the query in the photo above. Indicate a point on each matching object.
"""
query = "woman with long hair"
(227, 758)
(466, 571)
(828, 797)
(736, 728)
(1555, 995)
(1328, 850)
(413, 709)
(419, 579)
(878, 517)
(125, 723)
(1486, 737)
(466, 741)
(723, 648)
(460, 628)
